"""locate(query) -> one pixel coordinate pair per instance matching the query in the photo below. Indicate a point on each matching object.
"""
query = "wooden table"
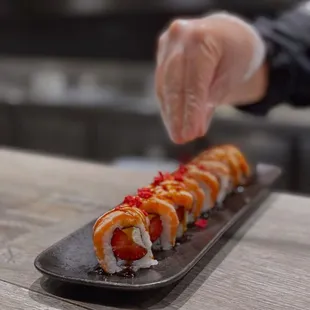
(265, 265)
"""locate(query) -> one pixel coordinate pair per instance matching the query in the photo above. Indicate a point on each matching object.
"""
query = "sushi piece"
(198, 195)
(220, 155)
(221, 172)
(232, 157)
(176, 193)
(244, 166)
(163, 218)
(207, 182)
(192, 187)
(121, 238)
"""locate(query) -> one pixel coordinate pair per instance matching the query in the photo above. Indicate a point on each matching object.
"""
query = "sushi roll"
(158, 214)
(121, 238)
(221, 172)
(163, 218)
(207, 182)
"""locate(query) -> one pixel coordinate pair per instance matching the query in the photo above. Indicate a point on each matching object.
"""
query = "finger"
(172, 80)
(162, 49)
(167, 45)
(201, 61)
(169, 38)
(173, 94)
(159, 76)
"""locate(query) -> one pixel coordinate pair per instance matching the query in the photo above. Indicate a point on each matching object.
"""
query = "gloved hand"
(202, 63)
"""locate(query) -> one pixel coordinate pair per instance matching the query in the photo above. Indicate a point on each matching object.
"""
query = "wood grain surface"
(14, 297)
(264, 265)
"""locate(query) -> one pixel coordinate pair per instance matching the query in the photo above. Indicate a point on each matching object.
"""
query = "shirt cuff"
(280, 62)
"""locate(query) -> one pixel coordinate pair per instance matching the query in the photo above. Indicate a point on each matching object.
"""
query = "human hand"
(203, 63)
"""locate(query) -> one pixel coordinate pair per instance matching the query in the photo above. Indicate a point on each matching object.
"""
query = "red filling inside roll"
(124, 246)
(180, 212)
(156, 227)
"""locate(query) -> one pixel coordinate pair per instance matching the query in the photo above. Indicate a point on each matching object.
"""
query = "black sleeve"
(287, 41)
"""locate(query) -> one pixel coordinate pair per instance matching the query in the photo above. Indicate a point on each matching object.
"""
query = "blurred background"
(76, 80)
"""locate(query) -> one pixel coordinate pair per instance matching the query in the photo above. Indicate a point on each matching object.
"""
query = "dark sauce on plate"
(99, 271)
(125, 273)
(185, 238)
(206, 214)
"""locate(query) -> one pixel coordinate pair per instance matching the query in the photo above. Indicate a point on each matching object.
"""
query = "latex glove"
(200, 63)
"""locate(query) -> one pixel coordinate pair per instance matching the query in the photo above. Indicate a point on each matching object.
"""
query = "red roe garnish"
(201, 223)
(182, 169)
(168, 176)
(201, 167)
(133, 201)
(178, 176)
(158, 179)
(145, 193)
(161, 178)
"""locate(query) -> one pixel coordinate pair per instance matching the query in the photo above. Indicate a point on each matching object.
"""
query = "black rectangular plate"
(72, 259)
